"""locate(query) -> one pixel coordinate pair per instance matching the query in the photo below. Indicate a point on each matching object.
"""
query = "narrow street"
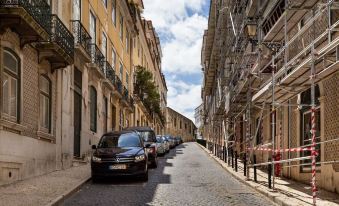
(185, 176)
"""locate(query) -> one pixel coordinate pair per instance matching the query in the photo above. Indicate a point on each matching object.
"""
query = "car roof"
(139, 129)
(115, 133)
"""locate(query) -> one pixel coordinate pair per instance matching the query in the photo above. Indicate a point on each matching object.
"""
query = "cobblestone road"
(186, 176)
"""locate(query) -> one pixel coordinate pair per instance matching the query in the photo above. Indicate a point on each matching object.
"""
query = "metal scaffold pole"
(273, 118)
(313, 130)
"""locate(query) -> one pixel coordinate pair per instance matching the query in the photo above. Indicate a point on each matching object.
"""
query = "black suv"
(150, 140)
(119, 153)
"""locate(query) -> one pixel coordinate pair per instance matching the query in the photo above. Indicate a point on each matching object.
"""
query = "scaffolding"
(272, 52)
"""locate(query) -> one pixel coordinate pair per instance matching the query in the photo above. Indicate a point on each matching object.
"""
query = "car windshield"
(123, 140)
(148, 136)
(159, 140)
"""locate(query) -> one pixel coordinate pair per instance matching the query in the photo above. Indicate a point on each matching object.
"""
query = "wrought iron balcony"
(82, 38)
(131, 101)
(125, 94)
(62, 36)
(97, 57)
(118, 85)
(109, 73)
(31, 19)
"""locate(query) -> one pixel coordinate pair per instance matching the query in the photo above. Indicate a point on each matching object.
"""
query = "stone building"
(268, 65)
(67, 70)
(178, 125)
(198, 116)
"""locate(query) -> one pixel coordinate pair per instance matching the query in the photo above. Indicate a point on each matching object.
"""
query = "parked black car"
(149, 137)
(120, 153)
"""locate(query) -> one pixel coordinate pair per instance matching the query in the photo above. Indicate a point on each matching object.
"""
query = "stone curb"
(60, 199)
(266, 193)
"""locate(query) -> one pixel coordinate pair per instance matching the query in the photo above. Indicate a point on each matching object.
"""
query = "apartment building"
(270, 85)
(147, 54)
(198, 116)
(178, 125)
(67, 71)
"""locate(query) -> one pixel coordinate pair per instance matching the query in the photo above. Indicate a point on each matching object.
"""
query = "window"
(114, 57)
(105, 3)
(121, 121)
(92, 27)
(121, 31)
(104, 44)
(114, 113)
(127, 41)
(11, 86)
(259, 136)
(306, 126)
(138, 47)
(121, 67)
(180, 124)
(93, 109)
(127, 80)
(114, 12)
(105, 113)
(76, 9)
(45, 103)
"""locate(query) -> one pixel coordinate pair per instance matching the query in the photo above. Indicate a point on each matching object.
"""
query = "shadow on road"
(126, 190)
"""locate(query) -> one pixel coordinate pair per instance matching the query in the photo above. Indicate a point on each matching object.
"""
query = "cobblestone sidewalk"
(45, 189)
(287, 192)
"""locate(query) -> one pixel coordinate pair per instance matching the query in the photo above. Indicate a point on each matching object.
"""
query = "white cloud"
(180, 26)
(182, 49)
(185, 98)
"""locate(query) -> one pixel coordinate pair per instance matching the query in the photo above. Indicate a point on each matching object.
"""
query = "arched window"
(306, 126)
(93, 109)
(45, 102)
(11, 85)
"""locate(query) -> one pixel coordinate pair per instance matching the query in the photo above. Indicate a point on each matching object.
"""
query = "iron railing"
(131, 101)
(125, 94)
(109, 73)
(81, 36)
(97, 57)
(118, 84)
(38, 9)
(62, 36)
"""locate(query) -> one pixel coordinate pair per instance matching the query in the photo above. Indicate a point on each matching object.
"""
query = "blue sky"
(180, 25)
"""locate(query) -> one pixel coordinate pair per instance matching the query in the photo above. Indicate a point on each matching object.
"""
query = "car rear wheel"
(144, 177)
(95, 179)
(154, 164)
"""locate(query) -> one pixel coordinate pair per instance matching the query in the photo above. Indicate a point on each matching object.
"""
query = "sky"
(180, 25)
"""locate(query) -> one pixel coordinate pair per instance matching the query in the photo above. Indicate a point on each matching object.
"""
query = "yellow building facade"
(67, 76)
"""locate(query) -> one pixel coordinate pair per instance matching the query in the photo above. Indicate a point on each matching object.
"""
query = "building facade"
(178, 125)
(270, 73)
(198, 116)
(67, 70)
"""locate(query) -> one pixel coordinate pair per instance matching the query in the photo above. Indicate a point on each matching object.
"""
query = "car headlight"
(96, 159)
(139, 158)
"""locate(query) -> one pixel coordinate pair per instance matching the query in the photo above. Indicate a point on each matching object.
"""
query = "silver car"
(167, 144)
(161, 147)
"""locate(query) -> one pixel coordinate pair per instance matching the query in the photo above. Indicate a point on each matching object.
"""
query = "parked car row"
(129, 152)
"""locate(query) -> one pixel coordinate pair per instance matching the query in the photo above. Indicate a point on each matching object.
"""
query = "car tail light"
(151, 150)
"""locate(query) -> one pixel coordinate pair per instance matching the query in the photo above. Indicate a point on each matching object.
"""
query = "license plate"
(117, 167)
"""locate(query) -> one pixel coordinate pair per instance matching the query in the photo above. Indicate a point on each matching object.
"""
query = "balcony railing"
(131, 101)
(97, 57)
(109, 73)
(62, 36)
(125, 94)
(118, 84)
(81, 36)
(38, 9)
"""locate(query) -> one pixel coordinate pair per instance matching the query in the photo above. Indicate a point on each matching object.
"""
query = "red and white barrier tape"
(299, 149)
(314, 154)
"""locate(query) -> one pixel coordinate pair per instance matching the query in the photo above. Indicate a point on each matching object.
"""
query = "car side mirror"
(94, 147)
